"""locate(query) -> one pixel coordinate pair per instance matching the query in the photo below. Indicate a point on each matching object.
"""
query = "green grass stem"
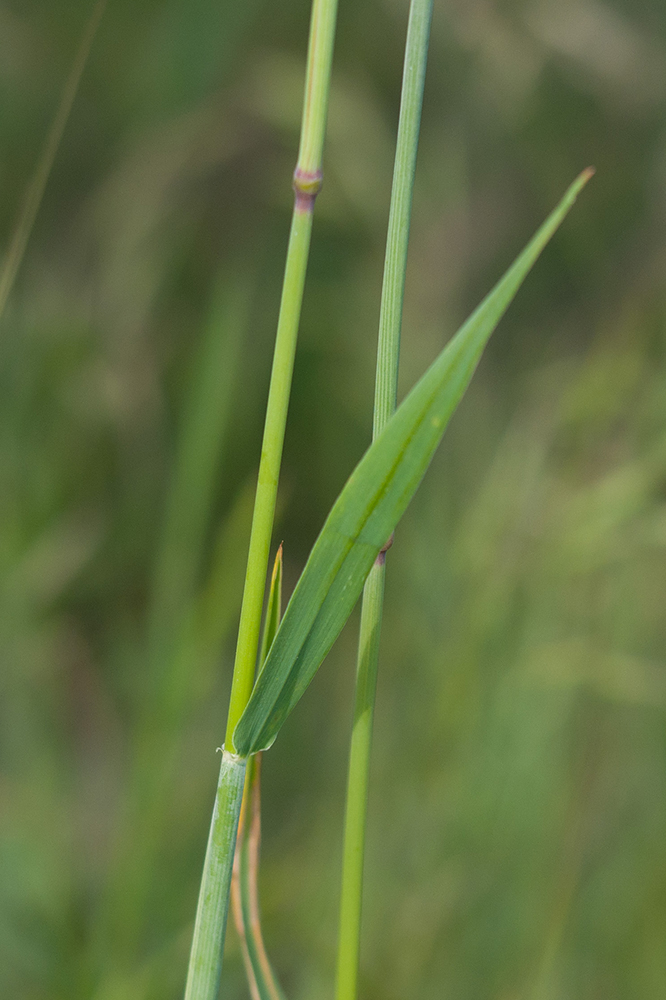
(386, 383)
(357, 785)
(208, 942)
(269, 468)
(205, 967)
(307, 182)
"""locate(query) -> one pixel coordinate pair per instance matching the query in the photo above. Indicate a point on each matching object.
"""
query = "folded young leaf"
(371, 504)
(273, 608)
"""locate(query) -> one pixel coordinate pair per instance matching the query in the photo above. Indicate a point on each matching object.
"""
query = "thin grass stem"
(208, 942)
(307, 182)
(37, 185)
(386, 382)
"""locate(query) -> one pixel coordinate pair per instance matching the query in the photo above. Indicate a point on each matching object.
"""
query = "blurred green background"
(517, 826)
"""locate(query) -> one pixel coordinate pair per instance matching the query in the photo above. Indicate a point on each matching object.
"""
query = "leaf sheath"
(205, 967)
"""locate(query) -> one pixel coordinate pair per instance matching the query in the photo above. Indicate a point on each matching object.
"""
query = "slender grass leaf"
(371, 504)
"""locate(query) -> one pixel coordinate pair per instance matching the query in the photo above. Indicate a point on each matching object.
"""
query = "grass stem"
(386, 381)
(205, 967)
(357, 785)
(307, 182)
(208, 942)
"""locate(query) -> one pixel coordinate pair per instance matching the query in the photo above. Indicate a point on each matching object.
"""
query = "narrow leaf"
(371, 504)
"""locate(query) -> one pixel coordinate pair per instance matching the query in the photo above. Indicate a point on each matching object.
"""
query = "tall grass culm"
(349, 553)
(386, 390)
(205, 965)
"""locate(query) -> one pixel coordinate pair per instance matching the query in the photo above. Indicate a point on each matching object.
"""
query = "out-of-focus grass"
(524, 628)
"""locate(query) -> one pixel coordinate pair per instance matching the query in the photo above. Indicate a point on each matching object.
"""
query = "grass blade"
(370, 505)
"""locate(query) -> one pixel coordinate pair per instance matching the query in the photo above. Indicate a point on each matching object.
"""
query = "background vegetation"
(518, 802)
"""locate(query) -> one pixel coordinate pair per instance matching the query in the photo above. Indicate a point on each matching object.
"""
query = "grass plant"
(367, 511)
(356, 533)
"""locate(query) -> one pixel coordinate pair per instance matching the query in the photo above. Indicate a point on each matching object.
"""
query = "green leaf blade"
(371, 504)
